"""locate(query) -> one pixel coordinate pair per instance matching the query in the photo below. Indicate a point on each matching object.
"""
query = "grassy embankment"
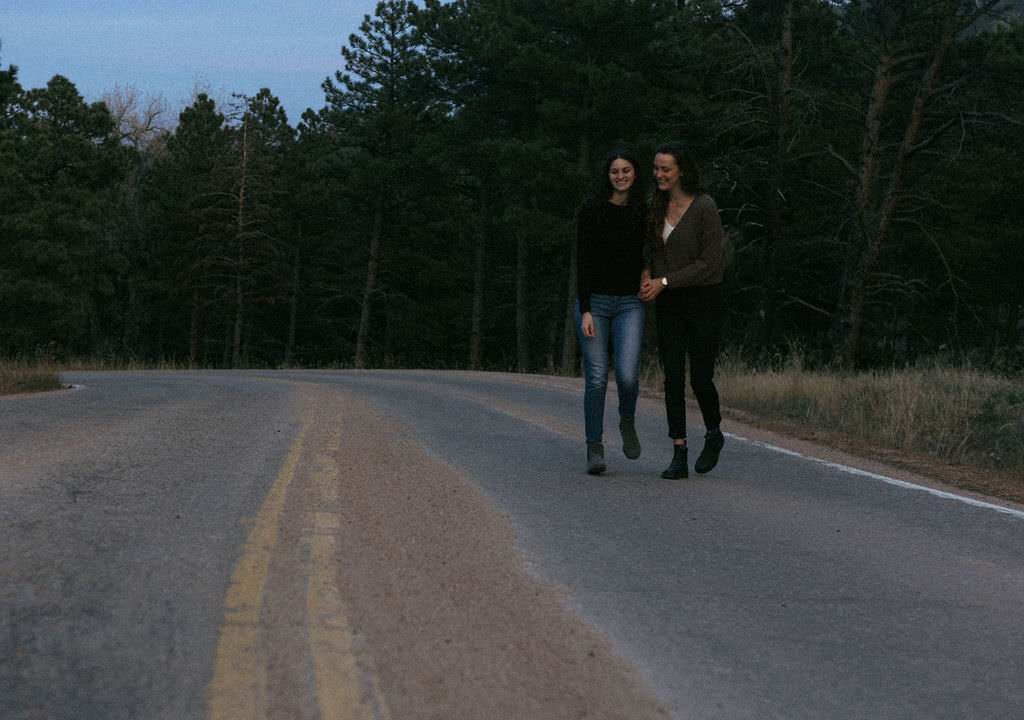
(20, 377)
(965, 427)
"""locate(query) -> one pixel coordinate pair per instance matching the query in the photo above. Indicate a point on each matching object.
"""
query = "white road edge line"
(884, 478)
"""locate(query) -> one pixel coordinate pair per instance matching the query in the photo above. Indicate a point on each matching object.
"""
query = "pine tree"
(63, 168)
(190, 198)
(375, 105)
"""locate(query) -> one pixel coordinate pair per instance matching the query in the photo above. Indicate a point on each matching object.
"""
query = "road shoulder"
(439, 596)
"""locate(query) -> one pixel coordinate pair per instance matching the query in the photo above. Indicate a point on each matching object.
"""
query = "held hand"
(587, 326)
(650, 289)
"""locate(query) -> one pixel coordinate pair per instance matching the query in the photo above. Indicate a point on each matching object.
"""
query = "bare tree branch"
(840, 158)
(800, 301)
(1001, 116)
(933, 137)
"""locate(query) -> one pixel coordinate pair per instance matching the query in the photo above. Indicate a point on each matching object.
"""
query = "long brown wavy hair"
(689, 178)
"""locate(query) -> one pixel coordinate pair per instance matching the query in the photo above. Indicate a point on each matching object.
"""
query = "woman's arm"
(587, 325)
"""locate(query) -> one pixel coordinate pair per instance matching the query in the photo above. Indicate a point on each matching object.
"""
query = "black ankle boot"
(595, 458)
(713, 443)
(677, 469)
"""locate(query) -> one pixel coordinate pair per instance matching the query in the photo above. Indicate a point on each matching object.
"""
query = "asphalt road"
(426, 545)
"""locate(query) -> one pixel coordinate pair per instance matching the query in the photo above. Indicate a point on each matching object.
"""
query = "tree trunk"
(236, 344)
(522, 329)
(236, 336)
(193, 331)
(479, 257)
(569, 326)
(293, 310)
(858, 230)
(569, 317)
(776, 189)
(876, 238)
(371, 282)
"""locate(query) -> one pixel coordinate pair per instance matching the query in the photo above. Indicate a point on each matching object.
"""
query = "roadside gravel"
(438, 595)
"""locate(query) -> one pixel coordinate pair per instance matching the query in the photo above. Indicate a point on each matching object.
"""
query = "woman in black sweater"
(609, 314)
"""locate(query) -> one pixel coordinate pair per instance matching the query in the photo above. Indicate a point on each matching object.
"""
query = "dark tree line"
(867, 157)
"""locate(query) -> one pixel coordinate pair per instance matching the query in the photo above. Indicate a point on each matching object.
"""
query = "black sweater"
(611, 250)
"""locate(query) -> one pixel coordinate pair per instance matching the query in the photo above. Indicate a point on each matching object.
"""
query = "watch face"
(664, 281)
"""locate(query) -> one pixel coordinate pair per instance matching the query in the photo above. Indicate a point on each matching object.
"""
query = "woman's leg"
(703, 333)
(702, 371)
(595, 369)
(627, 331)
(672, 348)
(702, 366)
(627, 340)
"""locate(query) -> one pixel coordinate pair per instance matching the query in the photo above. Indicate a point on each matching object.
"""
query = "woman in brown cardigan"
(688, 258)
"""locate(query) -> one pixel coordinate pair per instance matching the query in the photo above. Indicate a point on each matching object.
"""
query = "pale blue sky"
(169, 48)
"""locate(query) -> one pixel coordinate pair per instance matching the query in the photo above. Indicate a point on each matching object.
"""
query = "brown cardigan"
(696, 252)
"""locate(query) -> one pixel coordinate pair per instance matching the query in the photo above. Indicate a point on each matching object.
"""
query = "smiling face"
(666, 172)
(621, 176)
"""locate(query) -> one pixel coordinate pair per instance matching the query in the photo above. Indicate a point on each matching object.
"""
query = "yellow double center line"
(238, 689)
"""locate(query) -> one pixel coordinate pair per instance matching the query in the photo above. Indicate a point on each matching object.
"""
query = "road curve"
(413, 544)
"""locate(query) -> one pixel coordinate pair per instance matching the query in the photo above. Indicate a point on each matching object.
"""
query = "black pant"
(690, 323)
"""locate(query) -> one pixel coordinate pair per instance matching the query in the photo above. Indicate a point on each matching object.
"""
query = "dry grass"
(957, 417)
(115, 363)
(21, 377)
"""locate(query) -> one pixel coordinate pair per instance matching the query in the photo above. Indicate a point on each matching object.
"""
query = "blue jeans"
(619, 326)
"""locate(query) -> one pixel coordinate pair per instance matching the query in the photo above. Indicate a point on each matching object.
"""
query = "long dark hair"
(689, 179)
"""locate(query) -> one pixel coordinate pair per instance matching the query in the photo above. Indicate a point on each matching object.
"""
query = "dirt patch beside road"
(440, 601)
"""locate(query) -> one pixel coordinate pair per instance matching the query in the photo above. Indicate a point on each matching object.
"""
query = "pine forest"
(866, 157)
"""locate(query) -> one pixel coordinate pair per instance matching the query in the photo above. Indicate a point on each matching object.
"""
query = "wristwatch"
(664, 281)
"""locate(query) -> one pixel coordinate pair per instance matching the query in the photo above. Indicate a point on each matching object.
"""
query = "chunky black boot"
(713, 442)
(677, 469)
(595, 458)
(630, 442)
